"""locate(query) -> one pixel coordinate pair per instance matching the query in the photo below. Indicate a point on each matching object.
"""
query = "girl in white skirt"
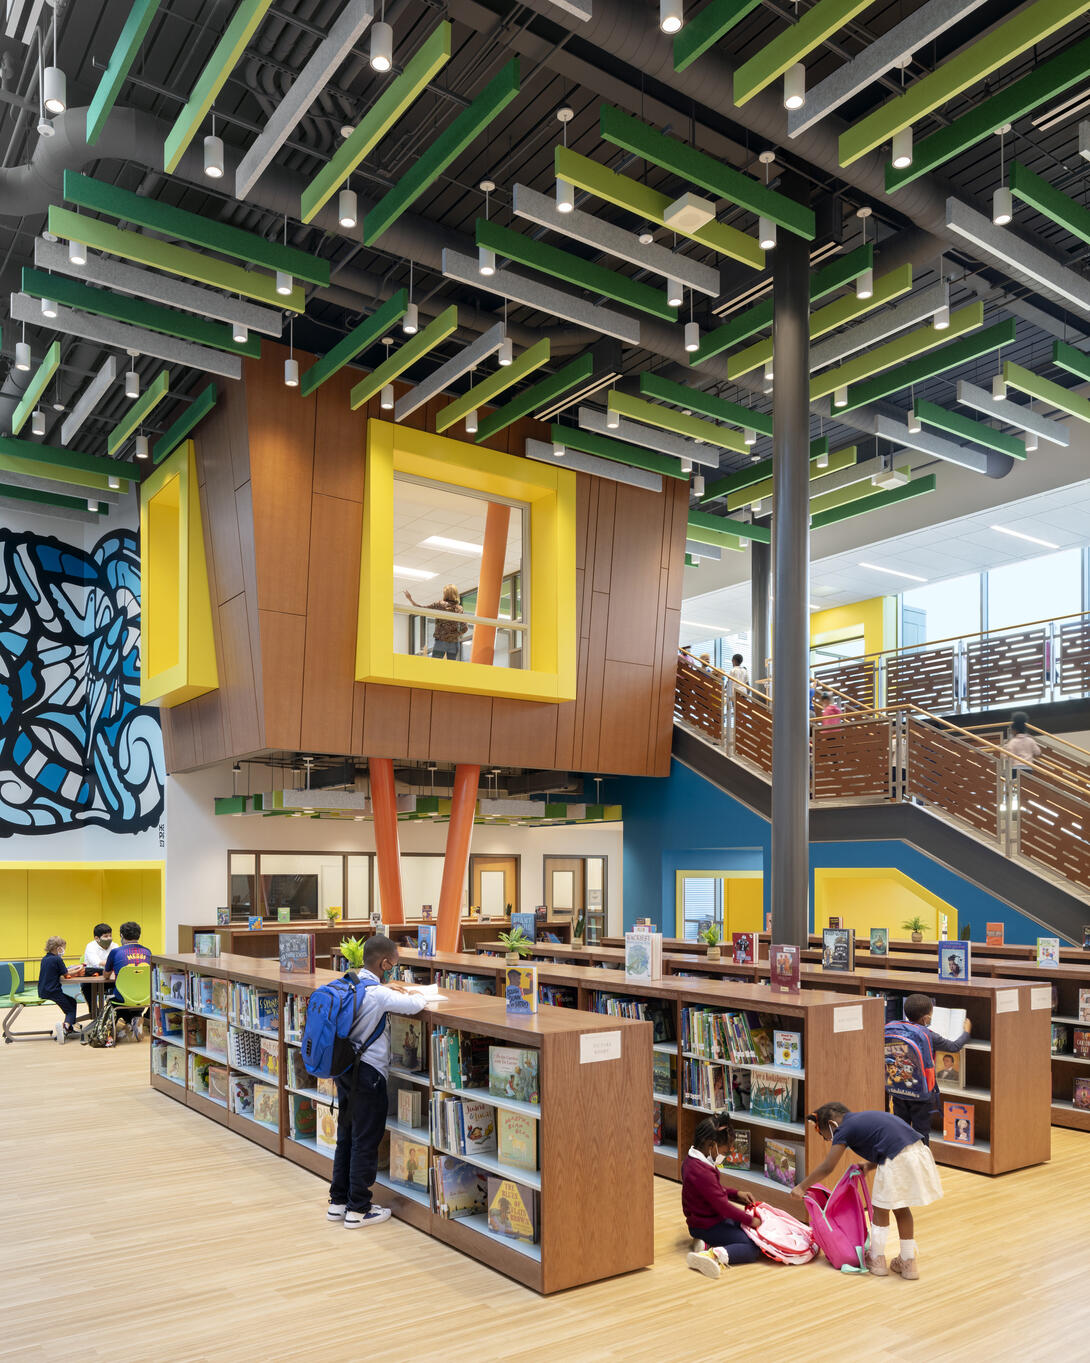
(906, 1176)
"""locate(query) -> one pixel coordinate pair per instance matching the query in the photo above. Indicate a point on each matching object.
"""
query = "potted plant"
(711, 936)
(516, 944)
(915, 926)
(351, 949)
(333, 912)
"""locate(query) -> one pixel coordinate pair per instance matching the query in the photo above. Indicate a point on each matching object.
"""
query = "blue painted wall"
(684, 821)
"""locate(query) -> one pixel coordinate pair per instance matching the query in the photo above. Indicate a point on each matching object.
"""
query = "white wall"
(199, 840)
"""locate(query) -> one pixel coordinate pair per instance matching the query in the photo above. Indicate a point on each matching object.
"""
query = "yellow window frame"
(177, 645)
(550, 494)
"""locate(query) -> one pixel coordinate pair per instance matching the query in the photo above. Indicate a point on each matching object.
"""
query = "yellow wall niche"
(878, 897)
(875, 619)
(743, 893)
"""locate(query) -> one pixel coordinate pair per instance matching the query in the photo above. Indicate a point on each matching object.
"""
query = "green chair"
(134, 985)
(14, 997)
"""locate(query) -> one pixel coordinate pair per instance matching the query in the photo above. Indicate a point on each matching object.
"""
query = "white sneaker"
(58, 1033)
(704, 1261)
(353, 1220)
(335, 1211)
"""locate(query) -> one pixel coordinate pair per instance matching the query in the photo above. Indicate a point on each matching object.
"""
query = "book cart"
(590, 1069)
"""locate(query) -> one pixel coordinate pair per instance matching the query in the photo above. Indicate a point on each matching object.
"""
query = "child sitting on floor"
(715, 1215)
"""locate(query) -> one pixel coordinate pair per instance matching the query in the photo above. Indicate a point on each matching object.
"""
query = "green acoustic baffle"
(976, 431)
(538, 395)
(25, 494)
(377, 122)
(482, 393)
(139, 411)
(969, 67)
(928, 365)
(98, 484)
(813, 28)
(666, 419)
(355, 343)
(618, 450)
(1046, 80)
(435, 333)
(699, 168)
(73, 461)
(117, 68)
(137, 312)
(894, 352)
(1065, 356)
(719, 409)
(1039, 194)
(840, 459)
(722, 539)
(707, 28)
(875, 502)
(178, 260)
(550, 260)
(594, 178)
(740, 328)
(171, 438)
(1044, 390)
(139, 211)
(36, 387)
(843, 496)
(229, 49)
(447, 147)
(756, 472)
(701, 523)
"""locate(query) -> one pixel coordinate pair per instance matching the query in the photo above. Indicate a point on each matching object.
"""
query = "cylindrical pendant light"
(558, 450)
(686, 465)
(822, 461)
(864, 285)
(49, 308)
(213, 157)
(840, 397)
(22, 356)
(284, 284)
(92, 505)
(674, 293)
(347, 207)
(141, 447)
(239, 333)
(698, 485)
(1002, 206)
(410, 323)
(613, 419)
(914, 424)
(902, 148)
(486, 261)
(45, 128)
(770, 372)
(565, 196)
(386, 398)
(1030, 439)
(77, 252)
(382, 47)
(671, 15)
(755, 507)
(132, 383)
(54, 90)
(507, 352)
(471, 422)
(37, 422)
(794, 86)
(941, 319)
(999, 388)
(291, 373)
(766, 234)
(692, 336)
(749, 436)
(113, 482)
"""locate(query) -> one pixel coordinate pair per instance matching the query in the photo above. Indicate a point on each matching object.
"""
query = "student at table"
(94, 957)
(50, 973)
(130, 952)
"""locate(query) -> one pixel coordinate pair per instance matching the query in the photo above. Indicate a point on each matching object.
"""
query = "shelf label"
(1040, 996)
(1006, 1000)
(596, 1046)
(848, 1018)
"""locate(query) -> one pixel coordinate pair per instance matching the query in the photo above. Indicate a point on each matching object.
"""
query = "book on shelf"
(744, 947)
(460, 1189)
(763, 1045)
(409, 1098)
(715, 1035)
(1080, 1042)
(217, 1083)
(1048, 951)
(1084, 1005)
(1059, 1038)
(166, 1022)
(253, 922)
(1080, 1095)
(406, 1037)
(772, 1096)
(209, 995)
(242, 1094)
(295, 1016)
(662, 1072)
(462, 1126)
(993, 934)
(425, 939)
(243, 1048)
(893, 1001)
(516, 1139)
(656, 1011)
(955, 960)
(950, 1068)
(223, 916)
(296, 1075)
(558, 995)
(520, 989)
(948, 1022)
(783, 1161)
(1086, 937)
(426, 912)
(172, 987)
(296, 952)
(458, 1059)
(784, 967)
(215, 1035)
(270, 1057)
(737, 1155)
(283, 913)
(206, 944)
(958, 1123)
(836, 922)
(409, 1160)
(325, 1132)
(326, 1086)
(159, 1058)
(198, 1073)
(706, 1084)
(511, 1209)
(175, 1063)
(838, 949)
(656, 1123)
(879, 941)
(527, 922)
(302, 1117)
(787, 1050)
(513, 1073)
(267, 1104)
(643, 956)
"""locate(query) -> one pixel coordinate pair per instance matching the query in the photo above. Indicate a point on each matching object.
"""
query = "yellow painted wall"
(878, 898)
(743, 893)
(877, 617)
(66, 899)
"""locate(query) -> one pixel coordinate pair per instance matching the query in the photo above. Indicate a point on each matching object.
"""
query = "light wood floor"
(132, 1228)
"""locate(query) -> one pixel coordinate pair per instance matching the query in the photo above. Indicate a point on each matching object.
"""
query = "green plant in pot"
(516, 944)
(333, 912)
(351, 949)
(915, 926)
(578, 928)
(710, 935)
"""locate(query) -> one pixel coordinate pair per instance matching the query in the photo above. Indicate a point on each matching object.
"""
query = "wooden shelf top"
(910, 982)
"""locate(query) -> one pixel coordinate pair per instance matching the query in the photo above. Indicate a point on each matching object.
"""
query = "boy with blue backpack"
(346, 1037)
(910, 1063)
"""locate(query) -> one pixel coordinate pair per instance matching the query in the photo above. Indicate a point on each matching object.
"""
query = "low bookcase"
(593, 1213)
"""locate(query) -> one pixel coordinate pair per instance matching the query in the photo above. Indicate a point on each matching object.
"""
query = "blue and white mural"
(77, 749)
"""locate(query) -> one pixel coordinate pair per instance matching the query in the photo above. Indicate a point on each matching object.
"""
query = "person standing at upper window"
(447, 635)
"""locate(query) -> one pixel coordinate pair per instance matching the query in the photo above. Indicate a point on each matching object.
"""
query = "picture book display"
(527, 922)
(836, 922)
(242, 1094)
(217, 1084)
(408, 1160)
(406, 1043)
(1084, 1005)
(409, 1105)
(950, 1069)
(1080, 1042)
(744, 945)
(297, 952)
(955, 960)
(513, 1073)
(784, 968)
(662, 1073)
(783, 1161)
(175, 1064)
(1080, 1095)
(283, 913)
(215, 1036)
(1059, 1038)
(787, 1050)
(460, 1189)
(511, 1210)
(957, 1123)
(772, 1096)
(223, 917)
(253, 922)
(206, 944)
(993, 934)
(425, 939)
(302, 1118)
(643, 956)
(325, 1134)
(879, 941)
(838, 949)
(738, 1152)
(1048, 951)
(516, 1139)
(267, 1104)
(463, 1126)
(520, 989)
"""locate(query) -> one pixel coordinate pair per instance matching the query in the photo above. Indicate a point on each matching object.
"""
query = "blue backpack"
(910, 1061)
(332, 1011)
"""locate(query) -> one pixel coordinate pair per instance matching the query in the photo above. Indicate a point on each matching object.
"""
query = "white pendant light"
(291, 372)
(941, 319)
(54, 90)
(840, 397)
(213, 157)
(132, 383)
(749, 436)
(755, 507)
(770, 372)
(902, 148)
(37, 422)
(113, 482)
(141, 447)
(77, 252)
(239, 333)
(471, 422)
(1002, 206)
(382, 47)
(999, 388)
(613, 419)
(674, 293)
(1030, 439)
(822, 461)
(698, 485)
(686, 465)
(486, 261)
(692, 336)
(766, 234)
(386, 398)
(284, 283)
(92, 505)
(558, 450)
(507, 352)
(45, 128)
(565, 196)
(914, 424)
(347, 207)
(49, 308)
(794, 86)
(864, 285)
(410, 323)
(671, 15)
(22, 356)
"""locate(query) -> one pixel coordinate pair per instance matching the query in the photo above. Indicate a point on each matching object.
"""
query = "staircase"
(899, 772)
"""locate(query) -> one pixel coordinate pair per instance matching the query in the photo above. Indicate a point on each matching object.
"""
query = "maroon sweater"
(704, 1200)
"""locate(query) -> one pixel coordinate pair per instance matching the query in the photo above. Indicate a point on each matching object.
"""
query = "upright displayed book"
(409, 1101)
(993, 934)
(325, 1133)
(879, 941)
(784, 968)
(772, 1096)
(737, 1155)
(267, 1104)
(1080, 1095)
(520, 989)
(516, 1139)
(460, 1190)
(643, 956)
(1059, 1038)
(283, 913)
(950, 1069)
(223, 917)
(838, 949)
(242, 1094)
(955, 961)
(662, 1073)
(783, 1161)
(206, 944)
(787, 1048)
(1084, 1005)
(406, 1043)
(744, 946)
(217, 1084)
(527, 922)
(297, 952)
(836, 922)
(253, 922)
(302, 1118)
(958, 1123)
(511, 1210)
(425, 939)
(1048, 951)
(215, 1036)
(513, 1073)
(408, 1160)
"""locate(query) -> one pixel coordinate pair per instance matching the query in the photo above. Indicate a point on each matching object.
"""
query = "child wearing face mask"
(714, 1214)
(905, 1177)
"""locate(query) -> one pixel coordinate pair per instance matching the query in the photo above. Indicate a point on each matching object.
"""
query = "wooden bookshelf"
(236, 939)
(576, 1089)
(475, 932)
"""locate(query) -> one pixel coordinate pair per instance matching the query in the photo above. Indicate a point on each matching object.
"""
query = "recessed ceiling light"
(455, 546)
(1021, 535)
(699, 624)
(893, 572)
(417, 574)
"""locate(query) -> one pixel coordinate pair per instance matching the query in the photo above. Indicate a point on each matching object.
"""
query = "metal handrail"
(459, 617)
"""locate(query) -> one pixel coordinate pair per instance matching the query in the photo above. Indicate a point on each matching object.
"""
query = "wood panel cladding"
(282, 483)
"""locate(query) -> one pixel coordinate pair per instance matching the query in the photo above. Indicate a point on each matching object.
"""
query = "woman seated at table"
(50, 973)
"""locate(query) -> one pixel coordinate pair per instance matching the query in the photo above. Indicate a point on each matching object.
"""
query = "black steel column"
(760, 643)
(791, 582)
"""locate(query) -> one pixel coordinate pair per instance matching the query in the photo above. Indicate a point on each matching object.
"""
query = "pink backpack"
(781, 1236)
(839, 1219)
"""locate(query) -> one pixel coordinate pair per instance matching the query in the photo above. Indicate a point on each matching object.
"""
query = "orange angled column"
(387, 851)
(466, 778)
